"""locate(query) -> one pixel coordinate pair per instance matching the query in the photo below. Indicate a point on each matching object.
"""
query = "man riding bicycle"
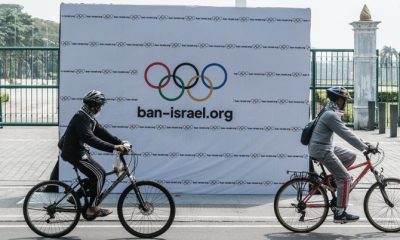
(83, 130)
(336, 159)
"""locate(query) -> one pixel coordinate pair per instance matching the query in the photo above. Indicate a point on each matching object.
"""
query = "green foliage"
(4, 97)
(20, 29)
(387, 97)
(321, 97)
(348, 113)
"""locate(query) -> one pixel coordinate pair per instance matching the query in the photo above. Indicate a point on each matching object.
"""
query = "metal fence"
(334, 67)
(388, 84)
(29, 86)
(29, 80)
(331, 67)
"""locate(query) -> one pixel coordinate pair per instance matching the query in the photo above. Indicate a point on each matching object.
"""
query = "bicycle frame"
(125, 173)
(368, 167)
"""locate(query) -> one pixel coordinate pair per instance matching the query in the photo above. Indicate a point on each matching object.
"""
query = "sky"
(330, 19)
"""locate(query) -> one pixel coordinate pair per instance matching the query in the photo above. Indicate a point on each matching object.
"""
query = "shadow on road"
(327, 236)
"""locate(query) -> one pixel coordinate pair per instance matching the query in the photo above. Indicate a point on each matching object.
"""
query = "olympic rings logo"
(179, 82)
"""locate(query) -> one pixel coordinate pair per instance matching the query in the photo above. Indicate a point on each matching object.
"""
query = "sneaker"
(344, 218)
(94, 212)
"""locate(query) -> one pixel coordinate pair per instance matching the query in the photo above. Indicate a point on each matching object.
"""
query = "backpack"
(60, 143)
(309, 128)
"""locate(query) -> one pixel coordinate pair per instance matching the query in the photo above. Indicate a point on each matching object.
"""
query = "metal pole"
(371, 115)
(393, 120)
(1, 100)
(15, 28)
(47, 35)
(382, 115)
(313, 80)
(377, 81)
(1, 103)
(398, 84)
(240, 3)
(33, 34)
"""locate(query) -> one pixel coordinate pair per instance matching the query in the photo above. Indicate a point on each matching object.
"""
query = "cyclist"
(336, 159)
(84, 130)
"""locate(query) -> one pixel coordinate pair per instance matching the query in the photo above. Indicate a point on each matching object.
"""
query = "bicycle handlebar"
(128, 146)
(373, 150)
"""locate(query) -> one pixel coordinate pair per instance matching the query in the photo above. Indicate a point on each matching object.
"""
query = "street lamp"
(15, 28)
(33, 33)
(240, 3)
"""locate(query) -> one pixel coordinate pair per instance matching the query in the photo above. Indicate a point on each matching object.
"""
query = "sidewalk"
(28, 156)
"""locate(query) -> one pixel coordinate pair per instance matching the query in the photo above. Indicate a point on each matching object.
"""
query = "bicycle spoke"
(42, 214)
(295, 214)
(155, 216)
(378, 212)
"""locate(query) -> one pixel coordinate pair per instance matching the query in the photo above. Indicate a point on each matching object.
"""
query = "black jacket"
(81, 130)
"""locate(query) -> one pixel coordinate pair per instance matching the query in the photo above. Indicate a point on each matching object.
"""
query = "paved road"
(198, 216)
(206, 231)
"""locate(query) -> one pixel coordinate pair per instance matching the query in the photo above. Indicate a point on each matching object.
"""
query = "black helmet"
(334, 93)
(94, 98)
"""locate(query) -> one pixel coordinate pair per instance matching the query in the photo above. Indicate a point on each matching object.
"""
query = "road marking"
(202, 226)
(14, 187)
(114, 216)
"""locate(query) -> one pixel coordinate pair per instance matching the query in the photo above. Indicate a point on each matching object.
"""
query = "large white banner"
(212, 98)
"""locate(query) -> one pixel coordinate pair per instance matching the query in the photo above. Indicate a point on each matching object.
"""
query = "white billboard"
(212, 98)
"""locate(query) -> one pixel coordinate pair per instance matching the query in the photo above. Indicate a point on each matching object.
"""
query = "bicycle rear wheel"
(47, 211)
(382, 216)
(301, 205)
(155, 218)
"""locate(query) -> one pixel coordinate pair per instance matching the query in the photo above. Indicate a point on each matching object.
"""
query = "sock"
(339, 211)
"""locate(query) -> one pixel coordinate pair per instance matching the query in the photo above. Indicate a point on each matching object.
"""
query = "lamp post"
(33, 33)
(240, 3)
(15, 28)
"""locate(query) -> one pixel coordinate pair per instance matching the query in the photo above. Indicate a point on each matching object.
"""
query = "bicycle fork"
(380, 179)
(142, 203)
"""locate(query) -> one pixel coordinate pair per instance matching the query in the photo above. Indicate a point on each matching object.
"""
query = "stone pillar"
(364, 67)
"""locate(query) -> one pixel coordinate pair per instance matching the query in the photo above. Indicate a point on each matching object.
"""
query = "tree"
(388, 54)
(19, 29)
(388, 59)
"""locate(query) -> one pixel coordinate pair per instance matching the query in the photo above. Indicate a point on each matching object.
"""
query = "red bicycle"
(302, 204)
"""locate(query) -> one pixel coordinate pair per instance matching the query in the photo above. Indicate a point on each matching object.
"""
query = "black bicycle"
(145, 208)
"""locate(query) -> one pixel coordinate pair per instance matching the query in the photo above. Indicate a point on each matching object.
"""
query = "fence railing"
(388, 83)
(29, 86)
(29, 81)
(331, 67)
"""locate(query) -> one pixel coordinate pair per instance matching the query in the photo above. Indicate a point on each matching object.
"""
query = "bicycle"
(301, 204)
(145, 209)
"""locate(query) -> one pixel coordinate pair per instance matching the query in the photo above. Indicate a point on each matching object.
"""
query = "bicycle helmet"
(94, 98)
(334, 93)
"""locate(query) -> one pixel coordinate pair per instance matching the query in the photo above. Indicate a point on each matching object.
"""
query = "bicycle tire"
(37, 213)
(374, 204)
(144, 223)
(289, 210)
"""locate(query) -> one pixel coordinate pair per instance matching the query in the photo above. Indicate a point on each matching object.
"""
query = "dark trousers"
(96, 176)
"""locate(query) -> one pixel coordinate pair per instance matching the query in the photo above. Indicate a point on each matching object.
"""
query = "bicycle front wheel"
(301, 205)
(47, 211)
(150, 220)
(384, 216)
